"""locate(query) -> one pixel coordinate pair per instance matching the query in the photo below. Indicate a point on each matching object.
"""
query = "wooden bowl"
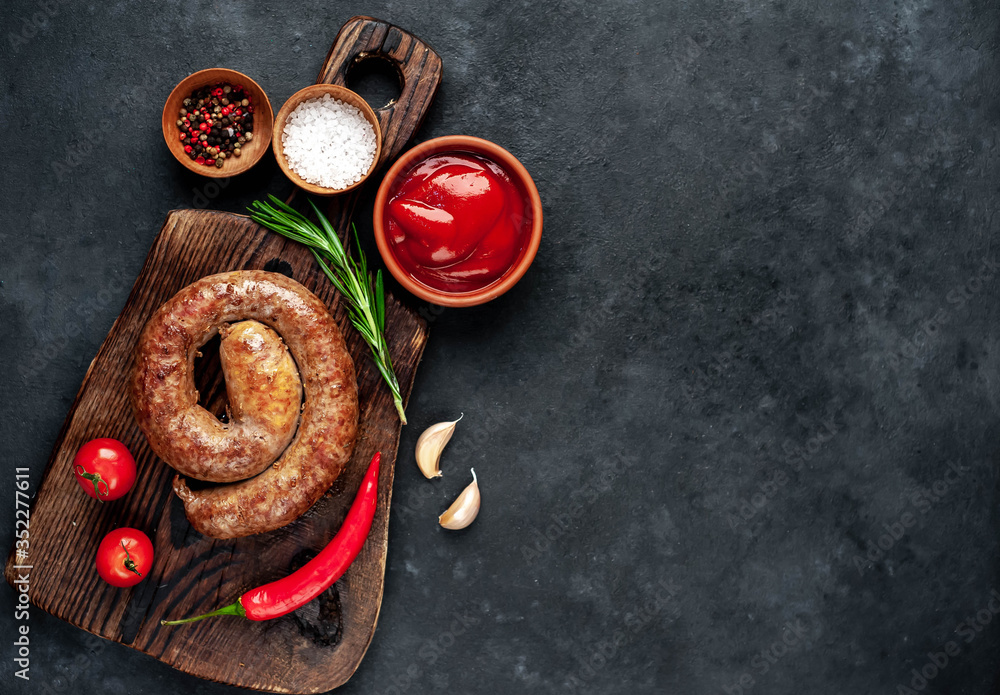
(263, 120)
(312, 92)
(489, 150)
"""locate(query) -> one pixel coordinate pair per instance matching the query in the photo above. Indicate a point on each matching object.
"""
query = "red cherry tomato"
(105, 469)
(124, 557)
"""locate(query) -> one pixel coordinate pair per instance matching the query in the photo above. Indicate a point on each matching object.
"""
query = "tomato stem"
(231, 609)
(96, 479)
(129, 564)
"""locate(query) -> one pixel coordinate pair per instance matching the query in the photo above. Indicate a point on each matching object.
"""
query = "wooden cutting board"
(320, 646)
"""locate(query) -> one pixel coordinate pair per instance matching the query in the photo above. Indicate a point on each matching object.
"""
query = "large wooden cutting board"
(320, 646)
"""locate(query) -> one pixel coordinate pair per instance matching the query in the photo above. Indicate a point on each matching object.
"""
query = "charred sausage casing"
(164, 398)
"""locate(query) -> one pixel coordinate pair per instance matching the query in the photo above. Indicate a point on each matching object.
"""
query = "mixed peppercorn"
(215, 123)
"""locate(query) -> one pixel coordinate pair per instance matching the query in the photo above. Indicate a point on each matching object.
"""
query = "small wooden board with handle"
(318, 647)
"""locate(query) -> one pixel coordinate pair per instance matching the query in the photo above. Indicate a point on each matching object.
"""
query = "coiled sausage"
(164, 399)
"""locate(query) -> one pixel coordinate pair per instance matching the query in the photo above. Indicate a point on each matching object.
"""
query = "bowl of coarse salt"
(327, 139)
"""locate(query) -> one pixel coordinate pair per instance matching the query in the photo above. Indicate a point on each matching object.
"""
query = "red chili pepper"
(299, 588)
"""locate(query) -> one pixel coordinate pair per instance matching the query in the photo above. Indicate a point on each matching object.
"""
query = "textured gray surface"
(757, 332)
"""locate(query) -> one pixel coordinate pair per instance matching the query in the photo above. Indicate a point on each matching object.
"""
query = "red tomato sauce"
(457, 221)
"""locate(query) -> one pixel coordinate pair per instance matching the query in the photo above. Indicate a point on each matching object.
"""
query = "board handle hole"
(376, 78)
(276, 265)
(208, 379)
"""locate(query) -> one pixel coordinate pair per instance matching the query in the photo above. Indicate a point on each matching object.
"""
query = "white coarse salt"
(328, 143)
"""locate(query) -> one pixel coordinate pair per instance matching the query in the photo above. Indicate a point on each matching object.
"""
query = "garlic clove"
(464, 509)
(430, 445)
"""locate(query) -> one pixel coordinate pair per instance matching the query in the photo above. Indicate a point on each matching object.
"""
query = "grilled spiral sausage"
(165, 401)
(264, 394)
(263, 390)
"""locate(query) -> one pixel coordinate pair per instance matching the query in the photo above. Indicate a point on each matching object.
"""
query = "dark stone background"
(761, 283)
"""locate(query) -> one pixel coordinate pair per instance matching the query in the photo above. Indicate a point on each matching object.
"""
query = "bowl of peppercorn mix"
(217, 122)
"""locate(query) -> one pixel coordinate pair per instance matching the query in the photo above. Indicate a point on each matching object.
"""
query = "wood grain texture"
(318, 647)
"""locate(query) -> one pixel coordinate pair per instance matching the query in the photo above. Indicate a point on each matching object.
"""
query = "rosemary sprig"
(365, 297)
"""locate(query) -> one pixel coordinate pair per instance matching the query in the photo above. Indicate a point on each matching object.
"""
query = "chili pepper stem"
(231, 609)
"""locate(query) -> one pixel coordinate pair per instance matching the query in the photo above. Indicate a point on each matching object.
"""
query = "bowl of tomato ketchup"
(457, 220)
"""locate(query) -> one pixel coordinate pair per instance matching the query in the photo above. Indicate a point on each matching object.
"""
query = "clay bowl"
(263, 119)
(489, 150)
(312, 92)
